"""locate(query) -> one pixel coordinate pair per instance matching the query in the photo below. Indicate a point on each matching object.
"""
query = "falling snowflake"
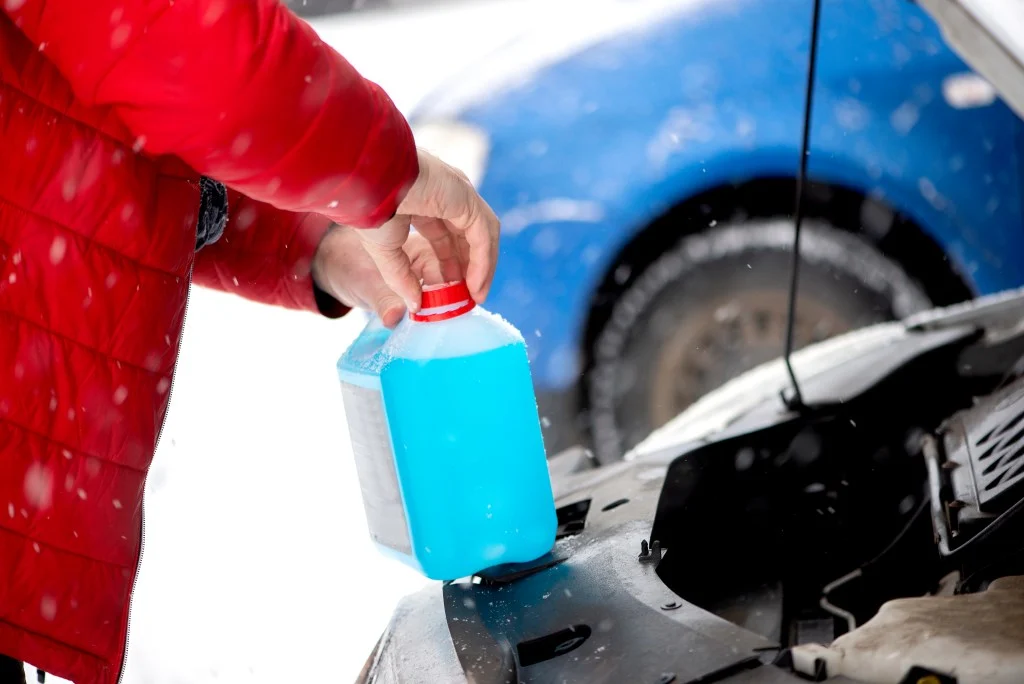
(38, 486)
(904, 118)
(119, 36)
(58, 248)
(241, 144)
(48, 605)
(246, 217)
(92, 466)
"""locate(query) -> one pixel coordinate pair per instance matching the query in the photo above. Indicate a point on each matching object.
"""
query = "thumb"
(388, 307)
(385, 247)
(374, 294)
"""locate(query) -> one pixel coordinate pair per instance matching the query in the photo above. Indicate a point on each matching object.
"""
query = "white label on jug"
(375, 463)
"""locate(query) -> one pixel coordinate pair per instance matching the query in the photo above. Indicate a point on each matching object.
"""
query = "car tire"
(715, 306)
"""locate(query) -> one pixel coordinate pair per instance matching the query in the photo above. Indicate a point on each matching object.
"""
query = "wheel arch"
(892, 232)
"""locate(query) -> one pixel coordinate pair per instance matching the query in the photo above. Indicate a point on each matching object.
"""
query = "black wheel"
(716, 306)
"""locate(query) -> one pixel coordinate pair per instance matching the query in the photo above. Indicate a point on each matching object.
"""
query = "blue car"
(642, 157)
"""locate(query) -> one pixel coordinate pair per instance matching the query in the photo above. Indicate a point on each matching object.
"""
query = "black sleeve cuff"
(328, 305)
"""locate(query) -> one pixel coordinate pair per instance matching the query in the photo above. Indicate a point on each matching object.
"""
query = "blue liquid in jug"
(446, 439)
(470, 457)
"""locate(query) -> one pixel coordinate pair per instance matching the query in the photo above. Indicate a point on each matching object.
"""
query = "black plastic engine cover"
(984, 458)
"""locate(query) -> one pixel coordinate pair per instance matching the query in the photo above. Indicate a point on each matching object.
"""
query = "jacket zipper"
(142, 508)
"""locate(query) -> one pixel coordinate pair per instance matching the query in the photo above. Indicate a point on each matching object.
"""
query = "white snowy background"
(257, 565)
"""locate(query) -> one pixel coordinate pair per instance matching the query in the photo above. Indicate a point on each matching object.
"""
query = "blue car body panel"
(590, 149)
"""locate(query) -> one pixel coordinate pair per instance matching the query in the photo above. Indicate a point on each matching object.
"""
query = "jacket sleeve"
(266, 255)
(241, 90)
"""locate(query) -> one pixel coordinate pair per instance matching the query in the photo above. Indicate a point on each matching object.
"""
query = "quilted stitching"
(94, 264)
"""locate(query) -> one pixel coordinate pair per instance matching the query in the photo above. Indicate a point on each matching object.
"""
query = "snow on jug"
(447, 439)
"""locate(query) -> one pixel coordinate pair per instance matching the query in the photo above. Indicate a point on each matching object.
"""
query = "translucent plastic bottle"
(447, 439)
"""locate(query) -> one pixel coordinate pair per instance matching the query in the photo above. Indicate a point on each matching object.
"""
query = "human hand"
(449, 213)
(343, 268)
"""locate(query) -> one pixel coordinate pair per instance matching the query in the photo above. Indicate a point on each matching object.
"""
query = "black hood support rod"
(796, 400)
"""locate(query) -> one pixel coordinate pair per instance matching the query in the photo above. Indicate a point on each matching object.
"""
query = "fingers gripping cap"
(441, 302)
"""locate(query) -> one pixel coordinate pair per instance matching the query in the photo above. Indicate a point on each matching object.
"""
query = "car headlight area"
(459, 144)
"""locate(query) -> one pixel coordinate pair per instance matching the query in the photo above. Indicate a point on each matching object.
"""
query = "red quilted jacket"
(110, 112)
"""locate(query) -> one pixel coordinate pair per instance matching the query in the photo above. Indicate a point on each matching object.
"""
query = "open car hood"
(989, 36)
(611, 604)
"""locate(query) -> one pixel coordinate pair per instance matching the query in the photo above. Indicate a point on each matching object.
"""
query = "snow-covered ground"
(257, 566)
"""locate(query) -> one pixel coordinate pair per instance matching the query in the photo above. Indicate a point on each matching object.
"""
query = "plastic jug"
(447, 438)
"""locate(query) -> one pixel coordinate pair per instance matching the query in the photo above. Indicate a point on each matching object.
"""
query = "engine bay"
(875, 537)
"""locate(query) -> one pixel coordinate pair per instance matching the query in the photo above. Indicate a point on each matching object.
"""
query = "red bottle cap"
(441, 302)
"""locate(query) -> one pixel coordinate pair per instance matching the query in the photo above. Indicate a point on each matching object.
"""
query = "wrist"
(326, 300)
(321, 257)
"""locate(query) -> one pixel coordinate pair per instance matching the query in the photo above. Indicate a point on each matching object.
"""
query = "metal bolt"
(671, 605)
